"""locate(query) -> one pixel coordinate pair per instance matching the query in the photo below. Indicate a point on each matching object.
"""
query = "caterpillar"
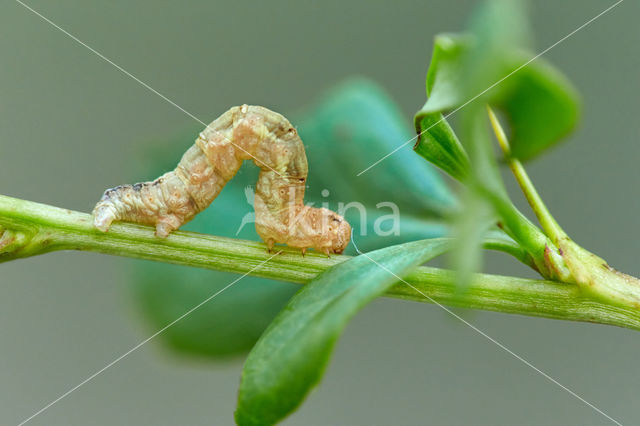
(242, 133)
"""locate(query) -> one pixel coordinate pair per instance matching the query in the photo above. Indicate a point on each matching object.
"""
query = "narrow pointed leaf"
(290, 357)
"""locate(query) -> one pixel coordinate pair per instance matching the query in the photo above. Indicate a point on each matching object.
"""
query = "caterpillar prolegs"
(241, 133)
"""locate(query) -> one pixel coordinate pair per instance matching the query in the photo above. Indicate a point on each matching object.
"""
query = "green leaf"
(437, 141)
(444, 75)
(542, 110)
(291, 355)
(491, 65)
(494, 64)
(226, 327)
(350, 127)
(469, 231)
(439, 144)
(462, 67)
(497, 29)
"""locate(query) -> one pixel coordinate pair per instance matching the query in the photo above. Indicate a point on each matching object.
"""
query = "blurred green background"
(72, 125)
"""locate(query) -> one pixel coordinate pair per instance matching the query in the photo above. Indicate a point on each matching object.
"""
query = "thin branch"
(30, 229)
(547, 221)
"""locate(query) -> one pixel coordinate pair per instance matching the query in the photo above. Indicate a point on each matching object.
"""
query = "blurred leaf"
(228, 325)
(497, 28)
(540, 103)
(291, 355)
(541, 110)
(352, 126)
(462, 68)
(469, 231)
(473, 222)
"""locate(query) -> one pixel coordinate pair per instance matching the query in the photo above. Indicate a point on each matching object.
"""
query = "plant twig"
(571, 262)
(29, 229)
(547, 221)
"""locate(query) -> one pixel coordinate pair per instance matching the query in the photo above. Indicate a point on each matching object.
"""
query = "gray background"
(71, 124)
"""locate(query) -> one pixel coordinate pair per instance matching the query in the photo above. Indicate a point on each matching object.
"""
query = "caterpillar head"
(334, 233)
(338, 231)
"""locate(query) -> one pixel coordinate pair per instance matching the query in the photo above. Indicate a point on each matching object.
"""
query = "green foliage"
(349, 128)
(291, 355)
(228, 325)
(493, 64)
(542, 95)
(352, 126)
(437, 141)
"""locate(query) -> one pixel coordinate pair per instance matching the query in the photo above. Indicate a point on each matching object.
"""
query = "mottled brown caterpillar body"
(242, 133)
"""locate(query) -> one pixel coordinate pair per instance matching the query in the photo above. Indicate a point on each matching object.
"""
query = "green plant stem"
(547, 221)
(43, 229)
(569, 261)
(31, 229)
(498, 293)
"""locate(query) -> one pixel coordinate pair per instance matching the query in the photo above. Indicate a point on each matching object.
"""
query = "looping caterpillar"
(241, 133)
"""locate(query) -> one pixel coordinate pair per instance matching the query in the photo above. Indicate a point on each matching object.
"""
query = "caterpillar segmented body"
(242, 133)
